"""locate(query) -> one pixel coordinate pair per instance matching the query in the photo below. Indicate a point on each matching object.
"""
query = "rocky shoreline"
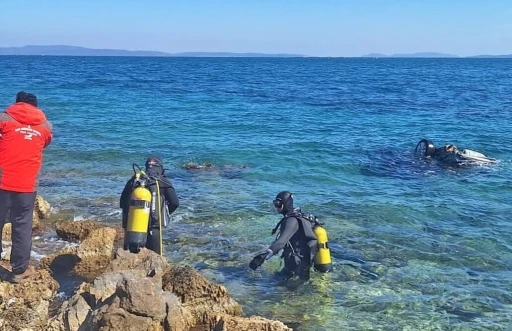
(117, 290)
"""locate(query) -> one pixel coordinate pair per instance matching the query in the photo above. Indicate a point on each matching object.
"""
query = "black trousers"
(20, 206)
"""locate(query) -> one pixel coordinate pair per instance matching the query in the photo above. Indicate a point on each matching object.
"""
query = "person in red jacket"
(24, 133)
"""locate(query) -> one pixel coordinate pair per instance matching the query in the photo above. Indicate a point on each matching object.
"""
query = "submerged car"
(451, 154)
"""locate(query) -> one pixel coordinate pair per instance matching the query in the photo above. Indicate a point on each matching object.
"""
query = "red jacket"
(24, 133)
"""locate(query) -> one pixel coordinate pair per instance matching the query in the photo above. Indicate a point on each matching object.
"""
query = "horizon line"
(155, 53)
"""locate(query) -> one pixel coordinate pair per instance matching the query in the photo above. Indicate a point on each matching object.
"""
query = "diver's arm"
(172, 199)
(126, 192)
(288, 229)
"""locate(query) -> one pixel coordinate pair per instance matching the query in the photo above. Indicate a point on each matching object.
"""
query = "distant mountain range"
(433, 55)
(64, 50)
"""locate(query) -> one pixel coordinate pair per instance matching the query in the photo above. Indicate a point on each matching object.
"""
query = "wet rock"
(79, 230)
(24, 306)
(193, 165)
(42, 210)
(253, 323)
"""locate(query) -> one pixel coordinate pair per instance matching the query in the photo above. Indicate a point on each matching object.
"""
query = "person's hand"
(258, 260)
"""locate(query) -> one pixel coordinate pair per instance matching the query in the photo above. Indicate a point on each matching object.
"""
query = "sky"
(314, 28)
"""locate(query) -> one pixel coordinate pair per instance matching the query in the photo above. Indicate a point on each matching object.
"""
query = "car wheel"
(425, 148)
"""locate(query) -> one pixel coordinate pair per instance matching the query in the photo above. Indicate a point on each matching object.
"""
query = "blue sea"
(415, 245)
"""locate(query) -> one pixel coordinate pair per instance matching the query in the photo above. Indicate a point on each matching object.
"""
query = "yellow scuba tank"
(323, 256)
(138, 218)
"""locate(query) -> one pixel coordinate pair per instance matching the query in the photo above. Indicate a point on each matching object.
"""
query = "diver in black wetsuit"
(168, 199)
(445, 152)
(297, 238)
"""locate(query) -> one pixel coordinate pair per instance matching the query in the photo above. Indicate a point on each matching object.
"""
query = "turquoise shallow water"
(416, 246)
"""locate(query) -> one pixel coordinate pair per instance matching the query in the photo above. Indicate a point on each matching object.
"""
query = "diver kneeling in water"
(296, 236)
(451, 154)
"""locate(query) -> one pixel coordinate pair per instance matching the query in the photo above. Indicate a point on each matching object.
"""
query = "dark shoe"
(30, 271)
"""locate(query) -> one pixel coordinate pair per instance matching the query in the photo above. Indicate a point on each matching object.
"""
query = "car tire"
(425, 148)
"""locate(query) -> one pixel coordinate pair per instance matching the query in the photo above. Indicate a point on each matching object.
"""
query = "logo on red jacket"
(28, 132)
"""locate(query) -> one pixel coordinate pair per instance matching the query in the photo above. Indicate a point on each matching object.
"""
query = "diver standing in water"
(148, 212)
(302, 238)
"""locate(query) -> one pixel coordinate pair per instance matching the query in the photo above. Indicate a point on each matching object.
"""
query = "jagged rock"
(60, 262)
(197, 294)
(142, 292)
(98, 243)
(25, 305)
(127, 295)
(79, 230)
(134, 292)
(42, 210)
(71, 316)
(146, 262)
(112, 317)
(140, 297)
(254, 323)
(104, 286)
(135, 304)
(178, 318)
(88, 259)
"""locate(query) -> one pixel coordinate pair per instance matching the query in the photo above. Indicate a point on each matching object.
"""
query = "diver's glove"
(260, 258)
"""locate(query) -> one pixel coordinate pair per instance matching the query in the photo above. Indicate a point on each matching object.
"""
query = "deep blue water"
(415, 244)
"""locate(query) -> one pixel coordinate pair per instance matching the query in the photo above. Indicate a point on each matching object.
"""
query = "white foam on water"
(36, 256)
(78, 218)
(60, 295)
(178, 217)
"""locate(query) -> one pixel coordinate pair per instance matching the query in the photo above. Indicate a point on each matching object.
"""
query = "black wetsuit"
(169, 198)
(446, 154)
(299, 243)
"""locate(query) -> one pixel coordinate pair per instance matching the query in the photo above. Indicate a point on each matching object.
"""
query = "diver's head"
(154, 166)
(284, 202)
(450, 148)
